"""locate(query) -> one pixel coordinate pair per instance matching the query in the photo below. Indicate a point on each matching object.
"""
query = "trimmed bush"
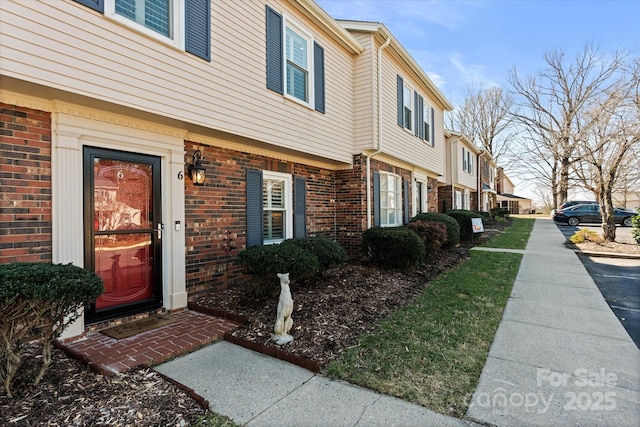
(264, 262)
(39, 301)
(463, 218)
(328, 252)
(453, 229)
(392, 247)
(433, 234)
(499, 212)
(483, 214)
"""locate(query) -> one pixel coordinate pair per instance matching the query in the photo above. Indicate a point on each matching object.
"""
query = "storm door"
(123, 231)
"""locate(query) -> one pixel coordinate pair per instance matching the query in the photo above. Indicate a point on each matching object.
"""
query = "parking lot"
(617, 278)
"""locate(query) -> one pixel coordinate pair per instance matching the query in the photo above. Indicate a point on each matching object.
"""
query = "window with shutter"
(185, 24)
(277, 207)
(295, 62)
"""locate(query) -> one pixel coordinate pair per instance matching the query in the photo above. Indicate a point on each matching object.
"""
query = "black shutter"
(376, 199)
(198, 28)
(405, 194)
(275, 80)
(400, 102)
(318, 76)
(97, 5)
(254, 207)
(300, 208)
(416, 107)
(433, 128)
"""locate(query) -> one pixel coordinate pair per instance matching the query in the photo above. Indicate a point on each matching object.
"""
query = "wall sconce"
(196, 171)
(429, 189)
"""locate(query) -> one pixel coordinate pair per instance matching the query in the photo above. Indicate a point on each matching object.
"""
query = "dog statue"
(284, 322)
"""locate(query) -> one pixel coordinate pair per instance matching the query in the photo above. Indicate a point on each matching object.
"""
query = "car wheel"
(627, 221)
(573, 221)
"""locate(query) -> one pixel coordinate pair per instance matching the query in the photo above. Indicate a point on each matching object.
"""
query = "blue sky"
(459, 43)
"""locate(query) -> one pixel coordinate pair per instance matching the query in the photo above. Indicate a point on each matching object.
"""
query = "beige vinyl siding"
(69, 47)
(465, 178)
(365, 89)
(398, 142)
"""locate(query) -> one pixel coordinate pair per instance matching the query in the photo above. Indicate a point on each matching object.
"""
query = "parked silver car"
(590, 213)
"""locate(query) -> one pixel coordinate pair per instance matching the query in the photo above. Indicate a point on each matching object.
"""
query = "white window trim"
(287, 22)
(177, 23)
(288, 203)
(411, 107)
(398, 199)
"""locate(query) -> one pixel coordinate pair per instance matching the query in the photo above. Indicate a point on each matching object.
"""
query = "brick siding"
(25, 184)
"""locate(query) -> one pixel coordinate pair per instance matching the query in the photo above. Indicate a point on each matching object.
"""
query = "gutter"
(379, 150)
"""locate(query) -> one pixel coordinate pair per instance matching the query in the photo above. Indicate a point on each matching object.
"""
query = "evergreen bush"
(264, 262)
(392, 247)
(635, 232)
(433, 234)
(39, 301)
(453, 229)
(463, 218)
(328, 252)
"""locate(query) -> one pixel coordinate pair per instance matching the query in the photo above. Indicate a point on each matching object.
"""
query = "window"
(467, 161)
(407, 109)
(295, 62)
(390, 200)
(275, 210)
(185, 24)
(426, 120)
(277, 223)
(153, 14)
(297, 56)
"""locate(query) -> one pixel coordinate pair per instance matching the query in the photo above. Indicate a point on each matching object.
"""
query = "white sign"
(476, 225)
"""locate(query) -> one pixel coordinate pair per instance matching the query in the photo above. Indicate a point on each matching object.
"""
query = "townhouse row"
(150, 141)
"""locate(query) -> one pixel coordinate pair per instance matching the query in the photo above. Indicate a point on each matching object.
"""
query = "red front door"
(123, 231)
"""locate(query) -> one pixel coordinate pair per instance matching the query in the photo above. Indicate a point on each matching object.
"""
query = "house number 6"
(180, 176)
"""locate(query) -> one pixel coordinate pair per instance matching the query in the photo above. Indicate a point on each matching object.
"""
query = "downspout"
(379, 150)
(453, 192)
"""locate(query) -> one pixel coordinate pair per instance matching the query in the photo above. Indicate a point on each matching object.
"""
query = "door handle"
(159, 230)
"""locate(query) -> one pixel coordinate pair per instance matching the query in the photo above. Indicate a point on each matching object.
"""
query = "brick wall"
(25, 184)
(445, 194)
(217, 211)
(351, 205)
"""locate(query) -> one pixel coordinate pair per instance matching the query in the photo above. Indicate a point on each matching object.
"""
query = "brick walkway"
(109, 356)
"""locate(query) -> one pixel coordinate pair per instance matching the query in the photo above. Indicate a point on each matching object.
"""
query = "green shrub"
(463, 218)
(499, 212)
(483, 214)
(433, 234)
(392, 247)
(453, 229)
(635, 220)
(328, 252)
(264, 262)
(39, 301)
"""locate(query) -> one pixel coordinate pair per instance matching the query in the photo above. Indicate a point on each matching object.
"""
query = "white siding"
(66, 46)
(365, 95)
(397, 141)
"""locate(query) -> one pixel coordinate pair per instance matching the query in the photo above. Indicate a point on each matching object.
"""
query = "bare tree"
(485, 119)
(608, 144)
(551, 103)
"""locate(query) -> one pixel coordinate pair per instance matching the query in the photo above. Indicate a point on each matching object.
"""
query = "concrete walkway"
(560, 357)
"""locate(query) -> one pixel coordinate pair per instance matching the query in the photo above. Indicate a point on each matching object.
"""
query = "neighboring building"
(487, 194)
(628, 200)
(302, 124)
(507, 198)
(460, 189)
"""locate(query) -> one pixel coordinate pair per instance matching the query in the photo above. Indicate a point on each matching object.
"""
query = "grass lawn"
(432, 352)
(514, 237)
